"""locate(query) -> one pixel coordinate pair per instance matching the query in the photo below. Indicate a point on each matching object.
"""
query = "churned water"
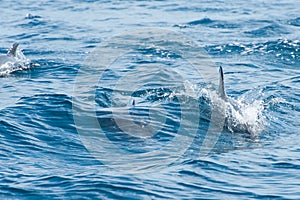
(120, 100)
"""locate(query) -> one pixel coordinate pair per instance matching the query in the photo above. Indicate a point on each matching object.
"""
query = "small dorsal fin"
(222, 92)
(13, 50)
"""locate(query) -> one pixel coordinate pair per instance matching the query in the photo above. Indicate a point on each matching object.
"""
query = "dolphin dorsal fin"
(222, 92)
(13, 50)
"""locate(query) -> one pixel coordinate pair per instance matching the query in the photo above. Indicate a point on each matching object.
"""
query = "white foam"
(19, 63)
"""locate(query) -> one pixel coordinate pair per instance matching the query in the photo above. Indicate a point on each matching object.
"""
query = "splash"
(245, 117)
(18, 63)
(242, 115)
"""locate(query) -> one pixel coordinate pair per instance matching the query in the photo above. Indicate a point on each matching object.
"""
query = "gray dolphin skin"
(222, 92)
(10, 56)
(13, 50)
(232, 105)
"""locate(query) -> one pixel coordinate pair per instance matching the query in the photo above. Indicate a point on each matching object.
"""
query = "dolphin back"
(13, 50)
(221, 91)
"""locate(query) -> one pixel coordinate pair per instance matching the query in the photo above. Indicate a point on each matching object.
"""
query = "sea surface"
(75, 126)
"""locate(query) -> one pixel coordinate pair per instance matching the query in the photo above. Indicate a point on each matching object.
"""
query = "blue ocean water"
(43, 154)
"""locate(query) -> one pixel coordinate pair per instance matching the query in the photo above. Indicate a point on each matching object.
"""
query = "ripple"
(294, 22)
(209, 23)
(287, 50)
(43, 156)
(267, 31)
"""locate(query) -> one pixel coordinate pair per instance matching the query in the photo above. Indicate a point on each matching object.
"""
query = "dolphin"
(10, 56)
(236, 111)
(236, 116)
(14, 60)
(222, 92)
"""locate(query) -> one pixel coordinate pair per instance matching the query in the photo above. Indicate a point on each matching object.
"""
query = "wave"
(294, 22)
(269, 30)
(283, 49)
(209, 23)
